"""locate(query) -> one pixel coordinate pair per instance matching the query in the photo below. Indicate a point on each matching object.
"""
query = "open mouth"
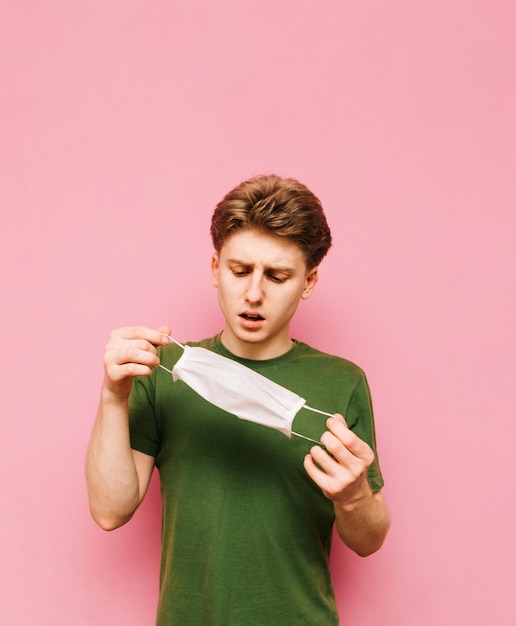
(252, 317)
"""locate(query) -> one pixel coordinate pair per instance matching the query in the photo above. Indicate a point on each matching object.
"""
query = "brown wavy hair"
(275, 205)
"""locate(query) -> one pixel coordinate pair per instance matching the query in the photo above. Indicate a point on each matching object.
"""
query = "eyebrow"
(274, 268)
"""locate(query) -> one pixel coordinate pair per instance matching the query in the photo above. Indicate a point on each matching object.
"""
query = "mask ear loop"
(177, 343)
(305, 406)
(292, 432)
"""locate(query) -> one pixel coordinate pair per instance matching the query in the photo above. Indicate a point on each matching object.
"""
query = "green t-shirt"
(246, 533)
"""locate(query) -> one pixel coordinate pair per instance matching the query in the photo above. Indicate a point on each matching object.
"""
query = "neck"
(255, 351)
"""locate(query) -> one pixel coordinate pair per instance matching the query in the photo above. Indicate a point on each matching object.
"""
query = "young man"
(247, 512)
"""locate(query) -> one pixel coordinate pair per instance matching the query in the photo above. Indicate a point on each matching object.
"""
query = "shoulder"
(325, 361)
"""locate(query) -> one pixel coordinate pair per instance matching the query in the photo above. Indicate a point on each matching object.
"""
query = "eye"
(277, 278)
(240, 272)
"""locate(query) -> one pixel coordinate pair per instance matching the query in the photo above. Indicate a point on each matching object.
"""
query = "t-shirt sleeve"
(143, 428)
(360, 419)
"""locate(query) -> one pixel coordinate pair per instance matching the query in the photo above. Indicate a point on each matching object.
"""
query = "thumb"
(165, 330)
(340, 418)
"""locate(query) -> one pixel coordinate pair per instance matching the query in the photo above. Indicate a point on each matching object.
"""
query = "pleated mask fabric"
(239, 390)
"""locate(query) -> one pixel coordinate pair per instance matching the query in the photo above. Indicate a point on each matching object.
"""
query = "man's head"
(277, 206)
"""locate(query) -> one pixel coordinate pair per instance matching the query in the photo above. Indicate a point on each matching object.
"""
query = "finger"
(157, 337)
(340, 418)
(130, 361)
(166, 331)
(316, 471)
(324, 461)
(340, 439)
(126, 350)
(130, 351)
(141, 353)
(128, 370)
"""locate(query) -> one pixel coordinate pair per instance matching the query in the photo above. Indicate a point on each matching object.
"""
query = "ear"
(311, 280)
(215, 264)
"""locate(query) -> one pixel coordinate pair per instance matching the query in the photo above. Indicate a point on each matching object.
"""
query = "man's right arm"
(117, 476)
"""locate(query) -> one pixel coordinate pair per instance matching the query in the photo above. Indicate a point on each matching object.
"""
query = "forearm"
(118, 477)
(363, 524)
(112, 479)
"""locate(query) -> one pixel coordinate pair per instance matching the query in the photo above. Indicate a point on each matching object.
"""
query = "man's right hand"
(131, 351)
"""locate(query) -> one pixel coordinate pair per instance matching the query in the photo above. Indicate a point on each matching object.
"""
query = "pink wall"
(122, 123)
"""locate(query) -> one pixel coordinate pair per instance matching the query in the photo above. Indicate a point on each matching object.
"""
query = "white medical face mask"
(235, 388)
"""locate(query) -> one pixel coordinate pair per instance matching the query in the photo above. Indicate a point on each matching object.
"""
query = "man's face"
(260, 280)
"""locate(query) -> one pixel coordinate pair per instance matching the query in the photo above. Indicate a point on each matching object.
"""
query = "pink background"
(122, 124)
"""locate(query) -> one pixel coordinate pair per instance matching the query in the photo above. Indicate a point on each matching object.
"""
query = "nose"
(254, 292)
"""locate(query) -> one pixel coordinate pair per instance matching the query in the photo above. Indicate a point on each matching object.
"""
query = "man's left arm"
(361, 516)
